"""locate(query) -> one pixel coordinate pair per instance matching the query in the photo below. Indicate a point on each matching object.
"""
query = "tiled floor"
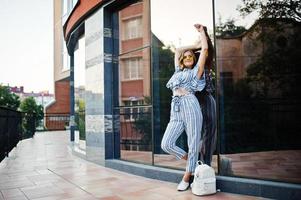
(43, 168)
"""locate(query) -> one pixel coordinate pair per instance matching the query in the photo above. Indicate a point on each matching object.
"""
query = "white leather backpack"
(204, 182)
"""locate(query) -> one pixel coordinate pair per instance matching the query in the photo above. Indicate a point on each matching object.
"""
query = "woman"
(185, 109)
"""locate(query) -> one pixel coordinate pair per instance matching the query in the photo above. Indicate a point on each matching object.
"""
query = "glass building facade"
(122, 56)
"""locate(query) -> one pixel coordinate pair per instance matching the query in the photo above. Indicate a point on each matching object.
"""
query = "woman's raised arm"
(204, 51)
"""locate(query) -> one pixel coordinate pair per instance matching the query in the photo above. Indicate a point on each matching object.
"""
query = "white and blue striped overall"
(185, 115)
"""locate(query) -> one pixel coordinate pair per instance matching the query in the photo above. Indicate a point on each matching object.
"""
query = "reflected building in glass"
(122, 55)
(134, 81)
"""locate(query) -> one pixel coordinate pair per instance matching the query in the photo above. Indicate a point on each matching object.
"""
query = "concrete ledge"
(267, 189)
(262, 188)
(148, 171)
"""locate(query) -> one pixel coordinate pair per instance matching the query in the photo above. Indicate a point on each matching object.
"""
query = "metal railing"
(56, 121)
(134, 127)
(14, 126)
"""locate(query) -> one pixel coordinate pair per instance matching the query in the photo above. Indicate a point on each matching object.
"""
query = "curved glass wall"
(258, 89)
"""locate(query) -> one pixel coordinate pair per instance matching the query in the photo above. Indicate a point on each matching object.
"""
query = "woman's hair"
(181, 58)
(209, 59)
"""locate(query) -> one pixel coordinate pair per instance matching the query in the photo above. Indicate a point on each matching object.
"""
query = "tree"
(279, 32)
(33, 114)
(8, 99)
(272, 8)
(229, 29)
(29, 105)
(80, 118)
(268, 94)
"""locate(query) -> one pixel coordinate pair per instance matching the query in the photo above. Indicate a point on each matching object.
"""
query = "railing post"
(6, 136)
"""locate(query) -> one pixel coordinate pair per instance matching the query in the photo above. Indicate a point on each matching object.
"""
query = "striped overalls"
(185, 115)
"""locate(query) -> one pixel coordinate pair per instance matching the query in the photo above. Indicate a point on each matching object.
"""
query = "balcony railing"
(14, 126)
(134, 124)
(56, 121)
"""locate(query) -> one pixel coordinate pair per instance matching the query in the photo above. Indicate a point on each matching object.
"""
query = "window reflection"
(134, 26)
(80, 93)
(135, 106)
(134, 93)
(133, 68)
(67, 7)
(259, 101)
(65, 57)
(169, 31)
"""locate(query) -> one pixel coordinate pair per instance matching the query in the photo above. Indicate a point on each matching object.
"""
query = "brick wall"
(61, 106)
(62, 98)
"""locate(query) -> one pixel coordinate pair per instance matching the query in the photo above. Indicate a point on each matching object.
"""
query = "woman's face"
(188, 59)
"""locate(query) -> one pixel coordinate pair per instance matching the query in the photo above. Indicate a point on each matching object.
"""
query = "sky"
(172, 20)
(26, 44)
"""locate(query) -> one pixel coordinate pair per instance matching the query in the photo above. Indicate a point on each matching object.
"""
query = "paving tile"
(41, 191)
(44, 178)
(111, 198)
(66, 196)
(15, 184)
(18, 198)
(10, 193)
(85, 197)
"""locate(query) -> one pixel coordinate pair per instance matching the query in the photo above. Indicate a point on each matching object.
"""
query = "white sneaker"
(183, 186)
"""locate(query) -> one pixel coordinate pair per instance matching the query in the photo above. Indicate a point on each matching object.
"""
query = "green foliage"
(33, 115)
(265, 102)
(272, 8)
(167, 68)
(143, 125)
(276, 70)
(8, 99)
(29, 105)
(229, 29)
(80, 118)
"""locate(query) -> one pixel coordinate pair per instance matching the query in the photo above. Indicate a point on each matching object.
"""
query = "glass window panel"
(258, 97)
(132, 68)
(134, 80)
(134, 26)
(171, 30)
(134, 108)
(140, 68)
(66, 57)
(74, 2)
(65, 7)
(126, 71)
(80, 93)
